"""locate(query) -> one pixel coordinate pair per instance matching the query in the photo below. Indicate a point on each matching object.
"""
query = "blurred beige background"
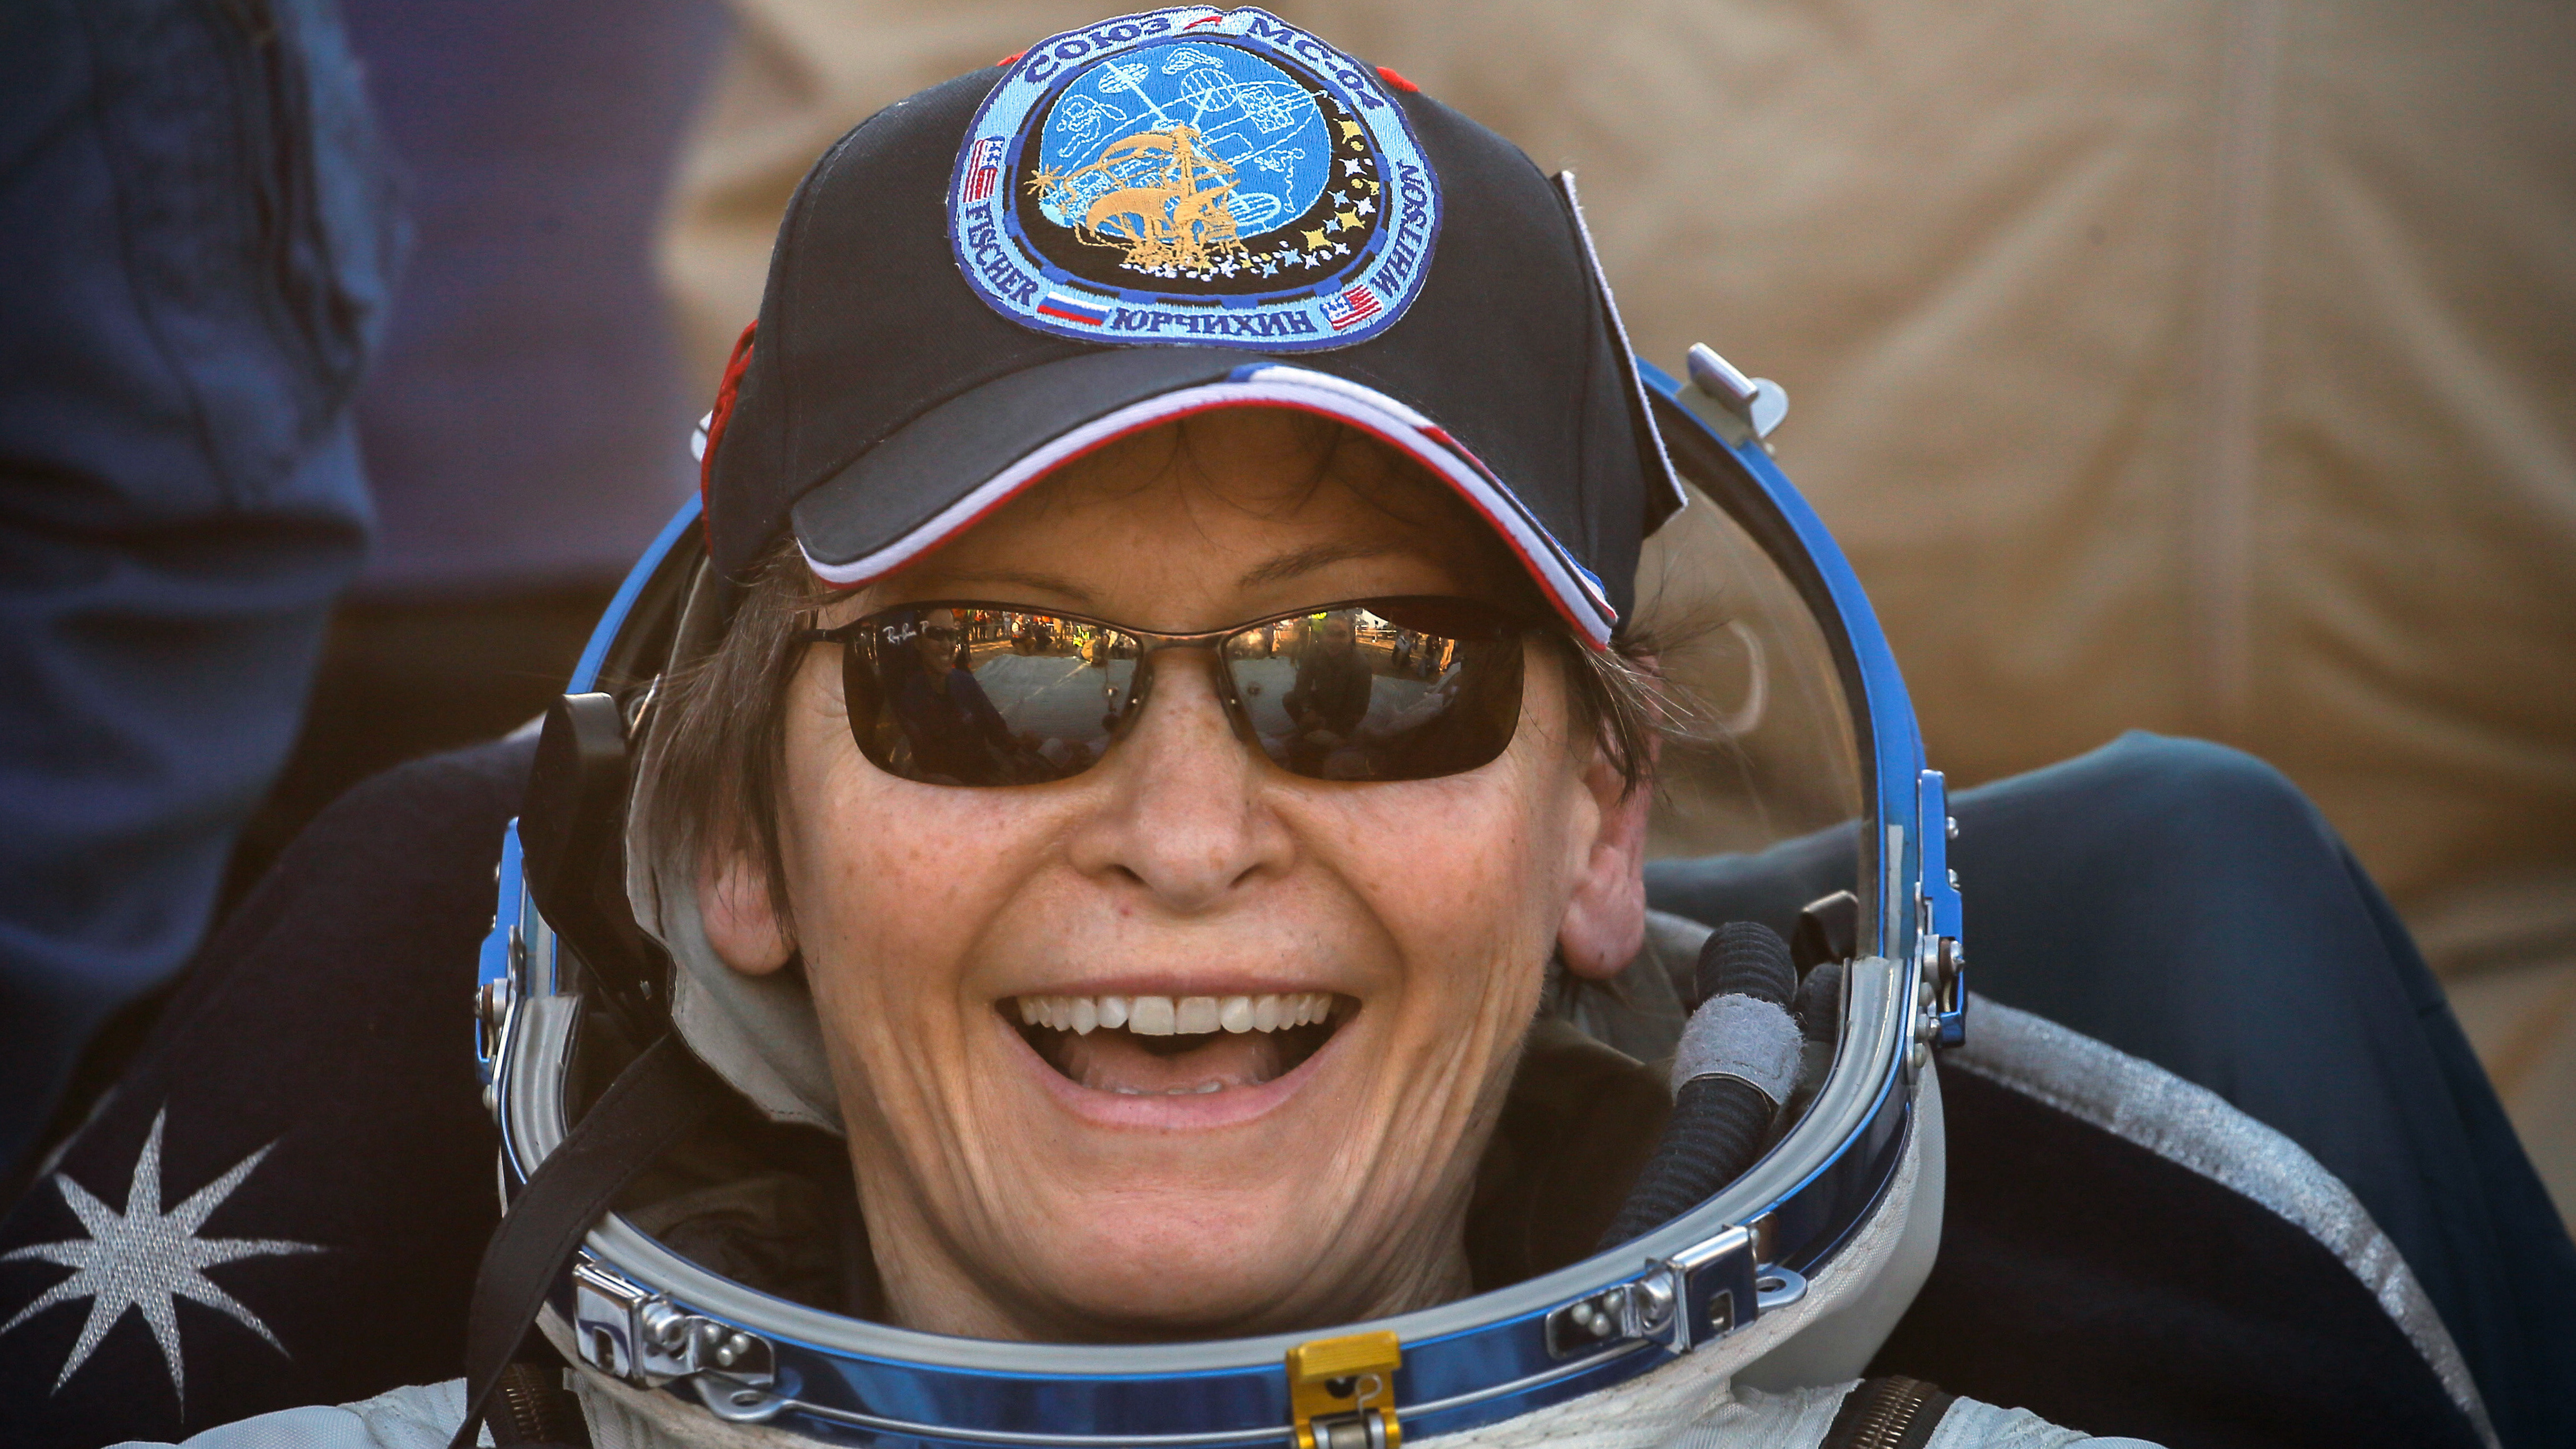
(2201, 367)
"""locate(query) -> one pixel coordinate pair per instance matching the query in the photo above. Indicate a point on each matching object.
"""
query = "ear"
(1605, 921)
(741, 922)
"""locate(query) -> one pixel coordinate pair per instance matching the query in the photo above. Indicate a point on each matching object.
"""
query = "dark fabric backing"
(329, 1021)
(2106, 1289)
(2184, 903)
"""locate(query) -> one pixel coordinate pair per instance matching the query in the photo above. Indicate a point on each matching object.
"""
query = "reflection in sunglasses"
(1388, 690)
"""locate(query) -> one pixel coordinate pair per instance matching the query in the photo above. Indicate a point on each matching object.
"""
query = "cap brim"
(940, 473)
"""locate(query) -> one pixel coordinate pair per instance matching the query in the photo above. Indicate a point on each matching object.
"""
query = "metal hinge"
(1698, 1295)
(1643, 1309)
(1941, 1014)
(1759, 401)
(645, 1338)
(1341, 1392)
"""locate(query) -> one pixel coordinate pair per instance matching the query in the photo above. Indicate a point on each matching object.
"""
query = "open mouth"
(1142, 1046)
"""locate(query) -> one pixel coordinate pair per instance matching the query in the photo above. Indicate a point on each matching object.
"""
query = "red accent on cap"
(726, 392)
(1011, 59)
(1387, 74)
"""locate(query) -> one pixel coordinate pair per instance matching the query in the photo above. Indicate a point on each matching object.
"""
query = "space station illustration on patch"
(1194, 175)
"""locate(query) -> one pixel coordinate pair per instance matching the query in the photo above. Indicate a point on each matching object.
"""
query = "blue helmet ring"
(634, 1310)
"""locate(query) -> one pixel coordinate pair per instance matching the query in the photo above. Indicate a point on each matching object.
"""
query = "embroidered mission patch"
(1194, 175)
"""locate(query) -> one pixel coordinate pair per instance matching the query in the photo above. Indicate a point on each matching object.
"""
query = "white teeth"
(1150, 1016)
(1186, 1016)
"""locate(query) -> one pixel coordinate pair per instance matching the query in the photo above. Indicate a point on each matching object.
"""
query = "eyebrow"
(1026, 578)
(1306, 560)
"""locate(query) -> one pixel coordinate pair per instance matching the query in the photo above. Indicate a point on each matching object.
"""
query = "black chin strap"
(652, 1104)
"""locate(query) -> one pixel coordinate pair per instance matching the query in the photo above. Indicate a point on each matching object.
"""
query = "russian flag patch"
(1072, 309)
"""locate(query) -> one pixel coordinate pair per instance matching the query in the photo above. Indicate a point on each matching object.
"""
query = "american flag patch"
(1073, 309)
(983, 167)
(1354, 306)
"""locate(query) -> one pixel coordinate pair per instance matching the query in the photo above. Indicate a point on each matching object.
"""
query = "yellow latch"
(1342, 1392)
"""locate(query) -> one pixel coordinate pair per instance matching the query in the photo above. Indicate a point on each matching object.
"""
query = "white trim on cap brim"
(1572, 588)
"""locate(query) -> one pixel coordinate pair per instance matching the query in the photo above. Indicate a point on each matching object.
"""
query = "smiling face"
(1184, 1045)
(936, 642)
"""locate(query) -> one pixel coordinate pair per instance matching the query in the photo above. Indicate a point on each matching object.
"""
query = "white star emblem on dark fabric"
(147, 1259)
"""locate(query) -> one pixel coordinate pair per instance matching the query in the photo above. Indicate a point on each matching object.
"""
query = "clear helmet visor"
(1794, 796)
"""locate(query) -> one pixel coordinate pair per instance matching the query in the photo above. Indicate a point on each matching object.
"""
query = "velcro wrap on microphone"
(1752, 1040)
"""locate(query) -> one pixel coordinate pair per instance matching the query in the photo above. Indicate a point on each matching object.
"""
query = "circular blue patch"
(1194, 176)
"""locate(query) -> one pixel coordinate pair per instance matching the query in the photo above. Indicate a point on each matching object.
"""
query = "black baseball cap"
(1162, 214)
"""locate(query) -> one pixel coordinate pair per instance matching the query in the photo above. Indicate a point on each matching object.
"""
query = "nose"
(1184, 820)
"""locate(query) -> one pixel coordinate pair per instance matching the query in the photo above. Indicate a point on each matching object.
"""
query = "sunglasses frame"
(1507, 622)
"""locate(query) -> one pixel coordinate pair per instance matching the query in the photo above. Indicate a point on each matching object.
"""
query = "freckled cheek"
(892, 884)
(1457, 871)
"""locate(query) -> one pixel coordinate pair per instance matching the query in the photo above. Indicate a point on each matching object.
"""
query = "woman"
(1071, 1027)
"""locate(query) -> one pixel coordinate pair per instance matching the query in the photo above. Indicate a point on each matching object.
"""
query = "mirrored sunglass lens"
(995, 698)
(1403, 690)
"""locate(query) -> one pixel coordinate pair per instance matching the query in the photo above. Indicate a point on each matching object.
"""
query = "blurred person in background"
(2196, 367)
(526, 427)
(198, 236)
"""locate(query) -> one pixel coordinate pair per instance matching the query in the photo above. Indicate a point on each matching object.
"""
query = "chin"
(1183, 1261)
(1150, 1206)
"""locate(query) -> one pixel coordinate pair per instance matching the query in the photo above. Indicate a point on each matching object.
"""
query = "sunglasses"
(972, 693)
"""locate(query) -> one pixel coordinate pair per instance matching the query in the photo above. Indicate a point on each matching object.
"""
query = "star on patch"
(146, 1259)
(1350, 166)
(1341, 199)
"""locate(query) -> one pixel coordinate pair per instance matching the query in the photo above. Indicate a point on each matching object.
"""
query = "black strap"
(656, 1100)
